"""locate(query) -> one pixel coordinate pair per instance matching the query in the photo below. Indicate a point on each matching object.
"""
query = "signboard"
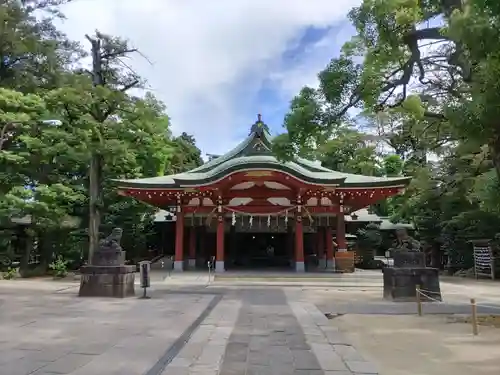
(144, 269)
(483, 261)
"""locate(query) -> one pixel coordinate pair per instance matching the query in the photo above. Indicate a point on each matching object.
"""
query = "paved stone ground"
(226, 332)
(194, 326)
(261, 332)
(51, 333)
(268, 339)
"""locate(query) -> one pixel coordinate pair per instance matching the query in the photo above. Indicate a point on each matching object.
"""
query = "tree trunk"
(436, 255)
(28, 247)
(94, 203)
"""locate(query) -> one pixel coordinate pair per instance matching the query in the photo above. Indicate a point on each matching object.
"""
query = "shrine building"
(249, 210)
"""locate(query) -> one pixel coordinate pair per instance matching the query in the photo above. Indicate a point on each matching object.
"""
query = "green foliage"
(9, 274)
(59, 266)
(368, 241)
(53, 119)
(349, 151)
(426, 77)
(485, 191)
(369, 237)
(392, 165)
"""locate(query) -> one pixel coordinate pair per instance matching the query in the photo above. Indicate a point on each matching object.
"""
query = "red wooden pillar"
(179, 242)
(201, 242)
(329, 247)
(344, 260)
(219, 255)
(299, 245)
(341, 242)
(192, 247)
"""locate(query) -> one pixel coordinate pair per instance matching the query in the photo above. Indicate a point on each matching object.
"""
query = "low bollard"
(209, 264)
(169, 265)
(419, 300)
(475, 330)
(144, 269)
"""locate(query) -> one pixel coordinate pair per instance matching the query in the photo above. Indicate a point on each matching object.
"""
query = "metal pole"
(475, 331)
(419, 301)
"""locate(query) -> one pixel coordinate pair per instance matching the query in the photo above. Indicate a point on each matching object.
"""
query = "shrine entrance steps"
(354, 279)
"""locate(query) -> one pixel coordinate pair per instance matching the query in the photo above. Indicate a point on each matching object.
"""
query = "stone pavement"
(237, 331)
(260, 332)
(50, 333)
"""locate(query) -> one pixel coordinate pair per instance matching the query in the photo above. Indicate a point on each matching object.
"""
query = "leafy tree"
(424, 77)
(369, 240)
(392, 165)
(54, 118)
(30, 185)
(423, 61)
(349, 151)
(187, 155)
(34, 55)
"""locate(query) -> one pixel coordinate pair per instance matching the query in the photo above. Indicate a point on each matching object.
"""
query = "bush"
(9, 274)
(60, 267)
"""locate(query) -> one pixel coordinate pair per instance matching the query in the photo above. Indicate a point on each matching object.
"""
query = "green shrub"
(9, 274)
(60, 267)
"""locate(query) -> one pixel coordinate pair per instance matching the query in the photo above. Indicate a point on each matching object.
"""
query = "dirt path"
(429, 345)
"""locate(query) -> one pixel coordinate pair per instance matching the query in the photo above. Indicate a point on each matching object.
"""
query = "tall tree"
(33, 53)
(110, 84)
(423, 59)
(54, 120)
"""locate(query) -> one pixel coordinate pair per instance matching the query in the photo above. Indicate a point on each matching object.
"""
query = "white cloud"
(316, 55)
(210, 58)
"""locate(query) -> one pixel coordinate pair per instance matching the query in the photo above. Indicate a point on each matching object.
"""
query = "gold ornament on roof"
(259, 174)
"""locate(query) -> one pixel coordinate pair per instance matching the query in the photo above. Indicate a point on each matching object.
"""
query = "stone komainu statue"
(404, 242)
(110, 252)
(112, 242)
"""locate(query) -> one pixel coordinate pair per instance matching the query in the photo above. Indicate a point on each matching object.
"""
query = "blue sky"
(270, 99)
(217, 64)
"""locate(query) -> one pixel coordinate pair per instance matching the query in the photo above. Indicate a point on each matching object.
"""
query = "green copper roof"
(255, 153)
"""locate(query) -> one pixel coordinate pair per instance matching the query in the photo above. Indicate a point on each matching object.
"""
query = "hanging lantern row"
(169, 193)
(348, 193)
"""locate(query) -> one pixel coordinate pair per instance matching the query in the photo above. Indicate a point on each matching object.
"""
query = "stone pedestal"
(220, 266)
(300, 267)
(330, 264)
(409, 270)
(107, 281)
(107, 275)
(344, 261)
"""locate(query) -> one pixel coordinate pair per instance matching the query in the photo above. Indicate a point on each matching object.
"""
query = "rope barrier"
(474, 306)
(429, 297)
(426, 293)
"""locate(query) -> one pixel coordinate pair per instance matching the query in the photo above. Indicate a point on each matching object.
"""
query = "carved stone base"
(107, 281)
(400, 284)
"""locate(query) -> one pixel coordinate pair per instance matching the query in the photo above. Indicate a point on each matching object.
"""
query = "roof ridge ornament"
(258, 127)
